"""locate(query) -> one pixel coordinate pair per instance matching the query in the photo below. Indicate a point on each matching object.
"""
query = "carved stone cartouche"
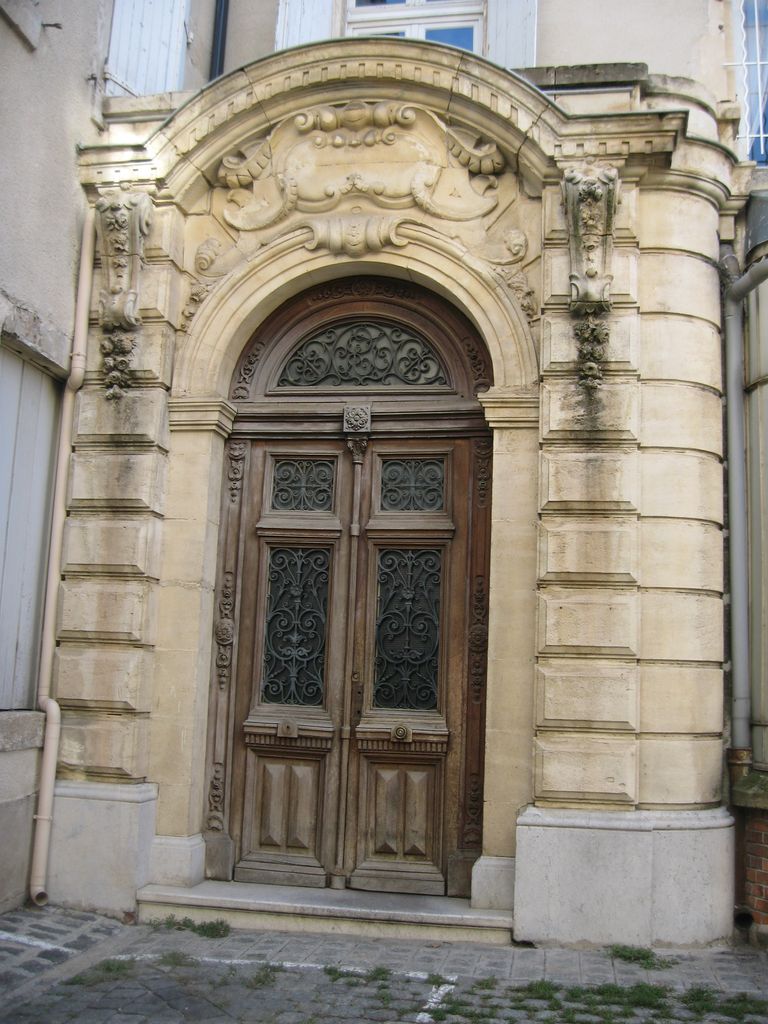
(363, 162)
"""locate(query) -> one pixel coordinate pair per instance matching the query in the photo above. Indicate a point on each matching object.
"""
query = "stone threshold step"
(340, 911)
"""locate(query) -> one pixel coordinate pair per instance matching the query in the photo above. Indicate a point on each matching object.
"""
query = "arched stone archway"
(424, 167)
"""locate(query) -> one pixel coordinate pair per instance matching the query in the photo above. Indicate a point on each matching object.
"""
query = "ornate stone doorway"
(346, 742)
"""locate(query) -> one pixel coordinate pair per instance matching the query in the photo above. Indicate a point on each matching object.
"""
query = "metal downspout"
(737, 290)
(43, 818)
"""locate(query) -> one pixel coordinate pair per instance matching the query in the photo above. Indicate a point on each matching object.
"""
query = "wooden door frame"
(261, 415)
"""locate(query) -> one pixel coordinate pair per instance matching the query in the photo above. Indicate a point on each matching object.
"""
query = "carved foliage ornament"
(591, 196)
(365, 163)
(123, 220)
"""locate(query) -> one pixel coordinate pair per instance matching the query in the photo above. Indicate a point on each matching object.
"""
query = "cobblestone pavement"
(58, 966)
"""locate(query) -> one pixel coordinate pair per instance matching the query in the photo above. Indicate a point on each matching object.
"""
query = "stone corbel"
(590, 196)
(123, 220)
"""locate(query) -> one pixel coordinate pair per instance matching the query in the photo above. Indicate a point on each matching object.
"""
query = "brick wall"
(756, 849)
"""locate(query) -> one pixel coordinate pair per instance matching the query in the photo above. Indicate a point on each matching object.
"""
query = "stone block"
(681, 416)
(152, 359)
(184, 614)
(16, 823)
(165, 240)
(140, 417)
(579, 767)
(190, 551)
(680, 770)
(678, 220)
(570, 410)
(556, 269)
(91, 609)
(681, 485)
(117, 480)
(18, 774)
(639, 877)
(21, 730)
(681, 627)
(115, 546)
(676, 283)
(195, 475)
(493, 883)
(587, 620)
(580, 548)
(101, 875)
(177, 860)
(589, 480)
(559, 350)
(104, 677)
(105, 744)
(681, 553)
(160, 293)
(680, 348)
(587, 695)
(681, 699)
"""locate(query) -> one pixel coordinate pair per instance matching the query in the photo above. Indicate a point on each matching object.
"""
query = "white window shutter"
(303, 21)
(146, 47)
(512, 33)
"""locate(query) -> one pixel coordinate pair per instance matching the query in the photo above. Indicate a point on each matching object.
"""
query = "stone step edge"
(220, 899)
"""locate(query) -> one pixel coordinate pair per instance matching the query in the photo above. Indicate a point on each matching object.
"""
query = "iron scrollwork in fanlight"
(407, 629)
(363, 354)
(294, 638)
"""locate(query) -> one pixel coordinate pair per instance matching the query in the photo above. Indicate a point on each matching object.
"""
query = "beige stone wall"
(605, 633)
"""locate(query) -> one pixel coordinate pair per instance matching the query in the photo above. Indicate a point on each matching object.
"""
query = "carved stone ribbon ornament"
(591, 196)
(122, 223)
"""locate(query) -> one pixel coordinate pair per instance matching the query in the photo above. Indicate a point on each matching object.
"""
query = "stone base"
(177, 860)
(493, 883)
(640, 878)
(21, 736)
(100, 845)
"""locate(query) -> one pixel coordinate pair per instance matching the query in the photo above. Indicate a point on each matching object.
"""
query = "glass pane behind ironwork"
(297, 613)
(412, 485)
(303, 485)
(407, 629)
(363, 354)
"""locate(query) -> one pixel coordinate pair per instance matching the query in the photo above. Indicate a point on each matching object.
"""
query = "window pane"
(376, 3)
(463, 37)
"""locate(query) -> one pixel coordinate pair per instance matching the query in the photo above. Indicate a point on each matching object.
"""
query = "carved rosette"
(215, 818)
(591, 196)
(123, 220)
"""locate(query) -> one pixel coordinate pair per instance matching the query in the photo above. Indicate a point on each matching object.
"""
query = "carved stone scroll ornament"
(123, 220)
(359, 161)
(591, 196)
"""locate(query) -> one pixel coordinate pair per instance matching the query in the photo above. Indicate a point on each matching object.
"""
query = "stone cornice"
(511, 408)
(214, 414)
(183, 155)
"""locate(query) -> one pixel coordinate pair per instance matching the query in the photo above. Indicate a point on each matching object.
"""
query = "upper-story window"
(455, 22)
(147, 47)
(755, 71)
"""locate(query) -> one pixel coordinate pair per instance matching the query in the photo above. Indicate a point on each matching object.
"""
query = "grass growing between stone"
(217, 929)
(642, 956)
(482, 1002)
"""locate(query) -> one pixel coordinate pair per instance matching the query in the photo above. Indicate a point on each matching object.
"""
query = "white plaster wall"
(46, 111)
(687, 38)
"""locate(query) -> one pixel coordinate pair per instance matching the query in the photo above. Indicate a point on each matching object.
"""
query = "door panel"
(353, 729)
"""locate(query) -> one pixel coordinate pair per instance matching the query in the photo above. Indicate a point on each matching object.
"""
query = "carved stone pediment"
(352, 175)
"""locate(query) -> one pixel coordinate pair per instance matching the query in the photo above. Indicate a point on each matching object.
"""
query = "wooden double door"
(357, 725)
